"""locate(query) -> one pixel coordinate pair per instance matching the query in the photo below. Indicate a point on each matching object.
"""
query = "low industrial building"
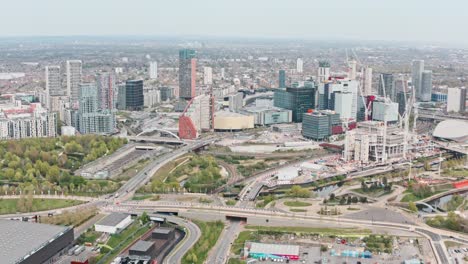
(265, 116)
(230, 121)
(142, 248)
(31, 243)
(165, 233)
(272, 251)
(113, 223)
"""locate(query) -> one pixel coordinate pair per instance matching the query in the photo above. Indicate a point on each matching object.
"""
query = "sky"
(399, 20)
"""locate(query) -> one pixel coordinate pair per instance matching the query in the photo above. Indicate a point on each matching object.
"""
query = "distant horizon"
(201, 38)
(417, 21)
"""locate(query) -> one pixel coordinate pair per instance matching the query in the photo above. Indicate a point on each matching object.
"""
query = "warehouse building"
(113, 223)
(265, 116)
(142, 248)
(31, 243)
(272, 251)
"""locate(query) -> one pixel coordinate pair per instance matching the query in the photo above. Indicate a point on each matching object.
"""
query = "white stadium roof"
(456, 130)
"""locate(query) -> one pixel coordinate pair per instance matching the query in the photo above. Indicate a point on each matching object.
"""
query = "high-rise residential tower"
(106, 91)
(207, 75)
(153, 70)
(91, 119)
(323, 71)
(426, 86)
(456, 99)
(416, 72)
(53, 81)
(367, 81)
(74, 72)
(299, 65)
(187, 74)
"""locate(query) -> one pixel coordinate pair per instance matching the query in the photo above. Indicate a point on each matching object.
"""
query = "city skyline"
(415, 21)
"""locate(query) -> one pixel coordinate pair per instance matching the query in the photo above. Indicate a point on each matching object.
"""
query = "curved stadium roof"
(456, 130)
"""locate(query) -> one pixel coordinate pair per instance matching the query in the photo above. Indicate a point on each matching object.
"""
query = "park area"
(29, 204)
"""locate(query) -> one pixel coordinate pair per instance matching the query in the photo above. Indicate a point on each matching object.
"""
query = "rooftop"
(275, 249)
(142, 246)
(112, 219)
(163, 230)
(19, 239)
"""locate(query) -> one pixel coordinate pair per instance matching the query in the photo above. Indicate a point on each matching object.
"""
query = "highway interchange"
(119, 201)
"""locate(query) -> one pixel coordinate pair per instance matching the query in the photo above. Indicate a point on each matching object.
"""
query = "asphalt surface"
(380, 215)
(220, 252)
(192, 234)
(291, 218)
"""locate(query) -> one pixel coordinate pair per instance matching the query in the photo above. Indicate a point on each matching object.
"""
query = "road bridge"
(164, 140)
(251, 213)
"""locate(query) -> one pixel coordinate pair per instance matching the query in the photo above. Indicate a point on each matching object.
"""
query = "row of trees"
(46, 164)
(376, 186)
(345, 200)
(452, 222)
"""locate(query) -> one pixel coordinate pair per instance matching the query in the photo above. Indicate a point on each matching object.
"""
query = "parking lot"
(403, 249)
(458, 254)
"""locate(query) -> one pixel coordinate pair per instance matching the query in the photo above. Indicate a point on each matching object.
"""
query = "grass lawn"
(375, 193)
(126, 237)
(451, 244)
(163, 172)
(9, 206)
(89, 237)
(210, 232)
(352, 209)
(297, 210)
(411, 197)
(151, 197)
(236, 261)
(238, 244)
(297, 203)
(133, 170)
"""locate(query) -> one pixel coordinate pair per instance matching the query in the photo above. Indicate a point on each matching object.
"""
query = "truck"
(79, 250)
(72, 250)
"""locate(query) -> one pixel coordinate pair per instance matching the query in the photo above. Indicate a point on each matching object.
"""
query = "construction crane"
(366, 107)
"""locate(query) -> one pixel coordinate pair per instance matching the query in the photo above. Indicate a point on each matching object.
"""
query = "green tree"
(144, 218)
(412, 207)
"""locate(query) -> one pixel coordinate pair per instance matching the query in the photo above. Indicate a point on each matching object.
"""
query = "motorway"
(434, 235)
(192, 234)
(119, 203)
(129, 188)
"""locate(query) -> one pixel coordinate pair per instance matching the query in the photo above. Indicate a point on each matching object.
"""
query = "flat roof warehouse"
(19, 241)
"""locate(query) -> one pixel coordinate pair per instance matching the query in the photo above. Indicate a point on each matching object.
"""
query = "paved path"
(220, 252)
(192, 232)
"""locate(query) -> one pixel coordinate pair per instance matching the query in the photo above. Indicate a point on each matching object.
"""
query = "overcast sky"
(401, 20)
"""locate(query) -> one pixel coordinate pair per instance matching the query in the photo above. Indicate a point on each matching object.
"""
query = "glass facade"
(134, 100)
(299, 100)
(282, 79)
(316, 126)
(387, 81)
(439, 97)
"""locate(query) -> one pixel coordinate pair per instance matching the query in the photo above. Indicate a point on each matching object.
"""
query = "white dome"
(456, 130)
